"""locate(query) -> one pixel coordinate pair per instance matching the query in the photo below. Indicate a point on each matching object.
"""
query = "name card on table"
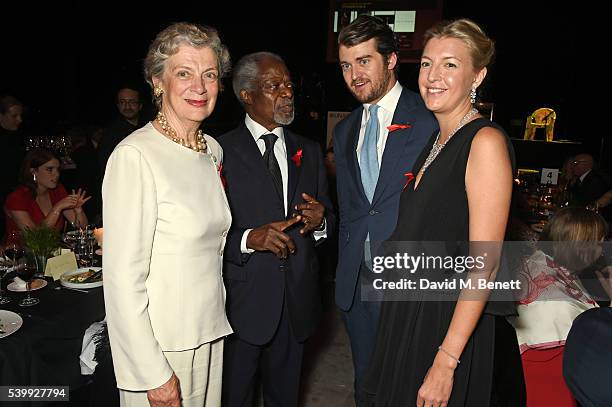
(58, 265)
(549, 176)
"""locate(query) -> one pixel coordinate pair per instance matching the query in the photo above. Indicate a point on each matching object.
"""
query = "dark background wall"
(65, 67)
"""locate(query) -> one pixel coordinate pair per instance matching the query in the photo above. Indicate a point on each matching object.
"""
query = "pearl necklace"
(436, 148)
(200, 146)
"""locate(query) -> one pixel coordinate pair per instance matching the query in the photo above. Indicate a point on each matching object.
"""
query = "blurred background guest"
(587, 360)
(604, 200)
(567, 178)
(328, 251)
(552, 296)
(165, 222)
(589, 184)
(86, 170)
(11, 146)
(603, 207)
(129, 106)
(41, 198)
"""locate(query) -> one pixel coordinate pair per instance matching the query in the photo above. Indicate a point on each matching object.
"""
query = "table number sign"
(549, 176)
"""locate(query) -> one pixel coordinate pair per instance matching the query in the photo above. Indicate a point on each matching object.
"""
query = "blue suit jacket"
(357, 215)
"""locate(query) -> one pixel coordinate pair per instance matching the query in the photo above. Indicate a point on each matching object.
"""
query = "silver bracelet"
(449, 355)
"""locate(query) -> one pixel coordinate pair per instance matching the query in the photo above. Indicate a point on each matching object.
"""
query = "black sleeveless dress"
(410, 332)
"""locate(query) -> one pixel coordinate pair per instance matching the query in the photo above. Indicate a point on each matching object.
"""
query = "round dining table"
(45, 350)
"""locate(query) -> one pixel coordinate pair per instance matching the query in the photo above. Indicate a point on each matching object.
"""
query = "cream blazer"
(166, 219)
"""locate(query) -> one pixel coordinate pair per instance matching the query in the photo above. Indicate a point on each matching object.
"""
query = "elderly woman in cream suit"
(165, 222)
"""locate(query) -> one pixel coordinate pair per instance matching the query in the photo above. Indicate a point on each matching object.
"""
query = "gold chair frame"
(542, 117)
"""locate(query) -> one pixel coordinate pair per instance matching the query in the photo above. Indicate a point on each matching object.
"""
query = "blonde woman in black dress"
(440, 353)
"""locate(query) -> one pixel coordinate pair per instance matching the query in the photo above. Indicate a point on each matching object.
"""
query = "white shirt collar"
(257, 130)
(389, 101)
(583, 176)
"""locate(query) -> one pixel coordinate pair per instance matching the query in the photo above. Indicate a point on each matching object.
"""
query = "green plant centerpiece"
(42, 241)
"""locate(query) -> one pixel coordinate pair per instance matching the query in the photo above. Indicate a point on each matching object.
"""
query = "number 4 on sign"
(549, 176)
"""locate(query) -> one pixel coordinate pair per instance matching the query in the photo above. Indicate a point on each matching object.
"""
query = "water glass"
(83, 250)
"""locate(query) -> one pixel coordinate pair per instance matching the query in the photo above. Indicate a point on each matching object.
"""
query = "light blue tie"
(369, 155)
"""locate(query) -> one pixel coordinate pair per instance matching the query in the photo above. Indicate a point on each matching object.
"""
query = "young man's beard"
(377, 92)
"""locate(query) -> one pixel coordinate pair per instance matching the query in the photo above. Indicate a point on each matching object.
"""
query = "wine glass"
(14, 250)
(4, 270)
(72, 231)
(26, 268)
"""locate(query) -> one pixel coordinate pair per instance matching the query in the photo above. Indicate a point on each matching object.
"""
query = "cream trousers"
(199, 372)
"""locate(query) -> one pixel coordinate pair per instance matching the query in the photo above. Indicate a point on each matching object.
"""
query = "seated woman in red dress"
(41, 198)
(552, 298)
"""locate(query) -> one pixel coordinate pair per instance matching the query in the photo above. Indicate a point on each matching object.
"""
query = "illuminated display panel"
(408, 19)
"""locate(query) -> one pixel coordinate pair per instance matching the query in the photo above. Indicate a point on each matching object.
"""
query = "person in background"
(129, 106)
(562, 194)
(552, 297)
(567, 178)
(165, 222)
(12, 147)
(97, 132)
(604, 200)
(85, 172)
(271, 271)
(602, 206)
(330, 167)
(371, 161)
(587, 361)
(41, 198)
(589, 184)
(11, 113)
(328, 251)
(460, 192)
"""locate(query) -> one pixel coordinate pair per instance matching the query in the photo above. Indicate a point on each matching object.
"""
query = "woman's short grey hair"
(246, 72)
(168, 41)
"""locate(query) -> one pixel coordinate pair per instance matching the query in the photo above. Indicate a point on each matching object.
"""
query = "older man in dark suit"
(277, 190)
(590, 184)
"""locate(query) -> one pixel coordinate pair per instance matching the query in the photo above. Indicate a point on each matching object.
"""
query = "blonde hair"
(570, 235)
(482, 48)
(168, 41)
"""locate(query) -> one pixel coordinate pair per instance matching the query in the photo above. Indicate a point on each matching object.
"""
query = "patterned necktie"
(270, 160)
(369, 156)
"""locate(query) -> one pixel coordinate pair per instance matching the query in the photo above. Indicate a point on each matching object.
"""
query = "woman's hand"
(80, 198)
(166, 395)
(438, 383)
(67, 202)
(72, 201)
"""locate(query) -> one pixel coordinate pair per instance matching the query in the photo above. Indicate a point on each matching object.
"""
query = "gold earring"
(157, 91)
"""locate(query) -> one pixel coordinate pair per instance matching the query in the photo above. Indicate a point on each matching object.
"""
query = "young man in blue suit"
(372, 161)
(271, 270)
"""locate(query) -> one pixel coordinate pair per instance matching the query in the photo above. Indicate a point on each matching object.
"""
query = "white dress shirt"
(280, 152)
(385, 116)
